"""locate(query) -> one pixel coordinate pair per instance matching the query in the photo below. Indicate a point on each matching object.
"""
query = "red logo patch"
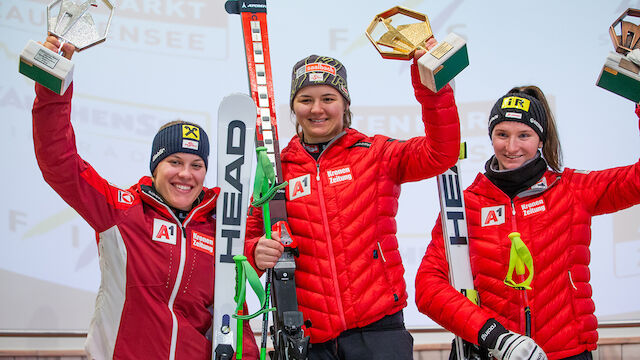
(533, 207)
(202, 242)
(125, 197)
(336, 176)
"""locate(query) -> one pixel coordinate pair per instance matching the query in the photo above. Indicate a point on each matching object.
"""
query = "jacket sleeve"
(426, 156)
(609, 190)
(436, 298)
(64, 170)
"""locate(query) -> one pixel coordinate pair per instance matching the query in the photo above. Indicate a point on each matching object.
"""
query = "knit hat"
(179, 138)
(319, 70)
(521, 108)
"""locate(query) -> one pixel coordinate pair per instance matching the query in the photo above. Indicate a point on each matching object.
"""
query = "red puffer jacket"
(554, 220)
(342, 212)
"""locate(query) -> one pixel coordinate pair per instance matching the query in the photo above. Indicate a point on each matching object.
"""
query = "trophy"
(74, 24)
(621, 71)
(438, 66)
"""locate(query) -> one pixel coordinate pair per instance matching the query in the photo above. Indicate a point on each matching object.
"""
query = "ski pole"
(245, 273)
(520, 259)
(264, 190)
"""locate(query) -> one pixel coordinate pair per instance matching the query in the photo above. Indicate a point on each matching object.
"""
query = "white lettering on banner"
(158, 9)
(533, 207)
(299, 187)
(164, 231)
(493, 215)
(339, 175)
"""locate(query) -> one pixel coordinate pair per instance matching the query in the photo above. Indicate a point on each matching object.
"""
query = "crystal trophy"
(74, 24)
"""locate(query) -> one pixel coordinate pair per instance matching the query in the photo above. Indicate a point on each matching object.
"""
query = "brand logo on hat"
(316, 77)
(315, 67)
(534, 122)
(160, 152)
(513, 115)
(190, 144)
(190, 132)
(516, 102)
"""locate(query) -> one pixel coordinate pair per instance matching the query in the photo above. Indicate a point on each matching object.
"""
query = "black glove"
(507, 345)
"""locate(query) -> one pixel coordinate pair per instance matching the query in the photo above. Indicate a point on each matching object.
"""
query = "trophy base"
(621, 77)
(444, 62)
(47, 68)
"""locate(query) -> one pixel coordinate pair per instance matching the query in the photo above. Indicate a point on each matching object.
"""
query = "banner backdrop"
(169, 59)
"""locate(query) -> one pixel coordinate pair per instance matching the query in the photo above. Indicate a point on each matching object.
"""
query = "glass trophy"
(77, 23)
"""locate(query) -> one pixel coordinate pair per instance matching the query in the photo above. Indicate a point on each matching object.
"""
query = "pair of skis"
(234, 167)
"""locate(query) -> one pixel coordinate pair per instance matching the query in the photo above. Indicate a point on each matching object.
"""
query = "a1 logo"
(493, 215)
(164, 231)
(299, 187)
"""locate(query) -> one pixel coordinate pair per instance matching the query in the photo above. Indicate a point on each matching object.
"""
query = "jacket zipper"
(523, 294)
(325, 223)
(178, 281)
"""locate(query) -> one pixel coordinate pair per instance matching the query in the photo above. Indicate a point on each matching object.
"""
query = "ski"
(287, 333)
(236, 120)
(456, 239)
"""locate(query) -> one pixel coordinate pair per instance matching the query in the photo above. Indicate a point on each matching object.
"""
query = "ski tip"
(232, 6)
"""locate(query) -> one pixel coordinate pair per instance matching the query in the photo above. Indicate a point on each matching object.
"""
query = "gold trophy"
(74, 24)
(621, 71)
(438, 66)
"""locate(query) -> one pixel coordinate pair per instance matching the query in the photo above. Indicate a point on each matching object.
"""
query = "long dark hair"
(551, 149)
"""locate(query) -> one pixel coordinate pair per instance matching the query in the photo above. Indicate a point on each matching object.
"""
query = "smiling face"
(514, 143)
(179, 179)
(319, 110)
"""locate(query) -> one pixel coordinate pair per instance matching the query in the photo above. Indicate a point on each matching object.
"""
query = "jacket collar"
(151, 198)
(482, 186)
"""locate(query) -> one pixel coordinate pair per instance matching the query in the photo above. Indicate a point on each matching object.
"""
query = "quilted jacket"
(342, 211)
(554, 220)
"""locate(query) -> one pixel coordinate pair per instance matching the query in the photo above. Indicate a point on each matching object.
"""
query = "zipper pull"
(513, 208)
(318, 172)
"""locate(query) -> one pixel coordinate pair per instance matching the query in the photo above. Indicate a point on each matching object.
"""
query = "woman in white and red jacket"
(524, 190)
(155, 239)
(342, 198)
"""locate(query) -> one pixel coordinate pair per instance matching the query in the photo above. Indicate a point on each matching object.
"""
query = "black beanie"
(179, 138)
(521, 108)
(319, 70)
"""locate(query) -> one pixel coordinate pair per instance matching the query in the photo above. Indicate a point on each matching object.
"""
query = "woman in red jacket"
(342, 199)
(524, 190)
(154, 239)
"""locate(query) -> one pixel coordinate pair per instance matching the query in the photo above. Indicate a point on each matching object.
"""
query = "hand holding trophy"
(75, 25)
(621, 71)
(441, 63)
